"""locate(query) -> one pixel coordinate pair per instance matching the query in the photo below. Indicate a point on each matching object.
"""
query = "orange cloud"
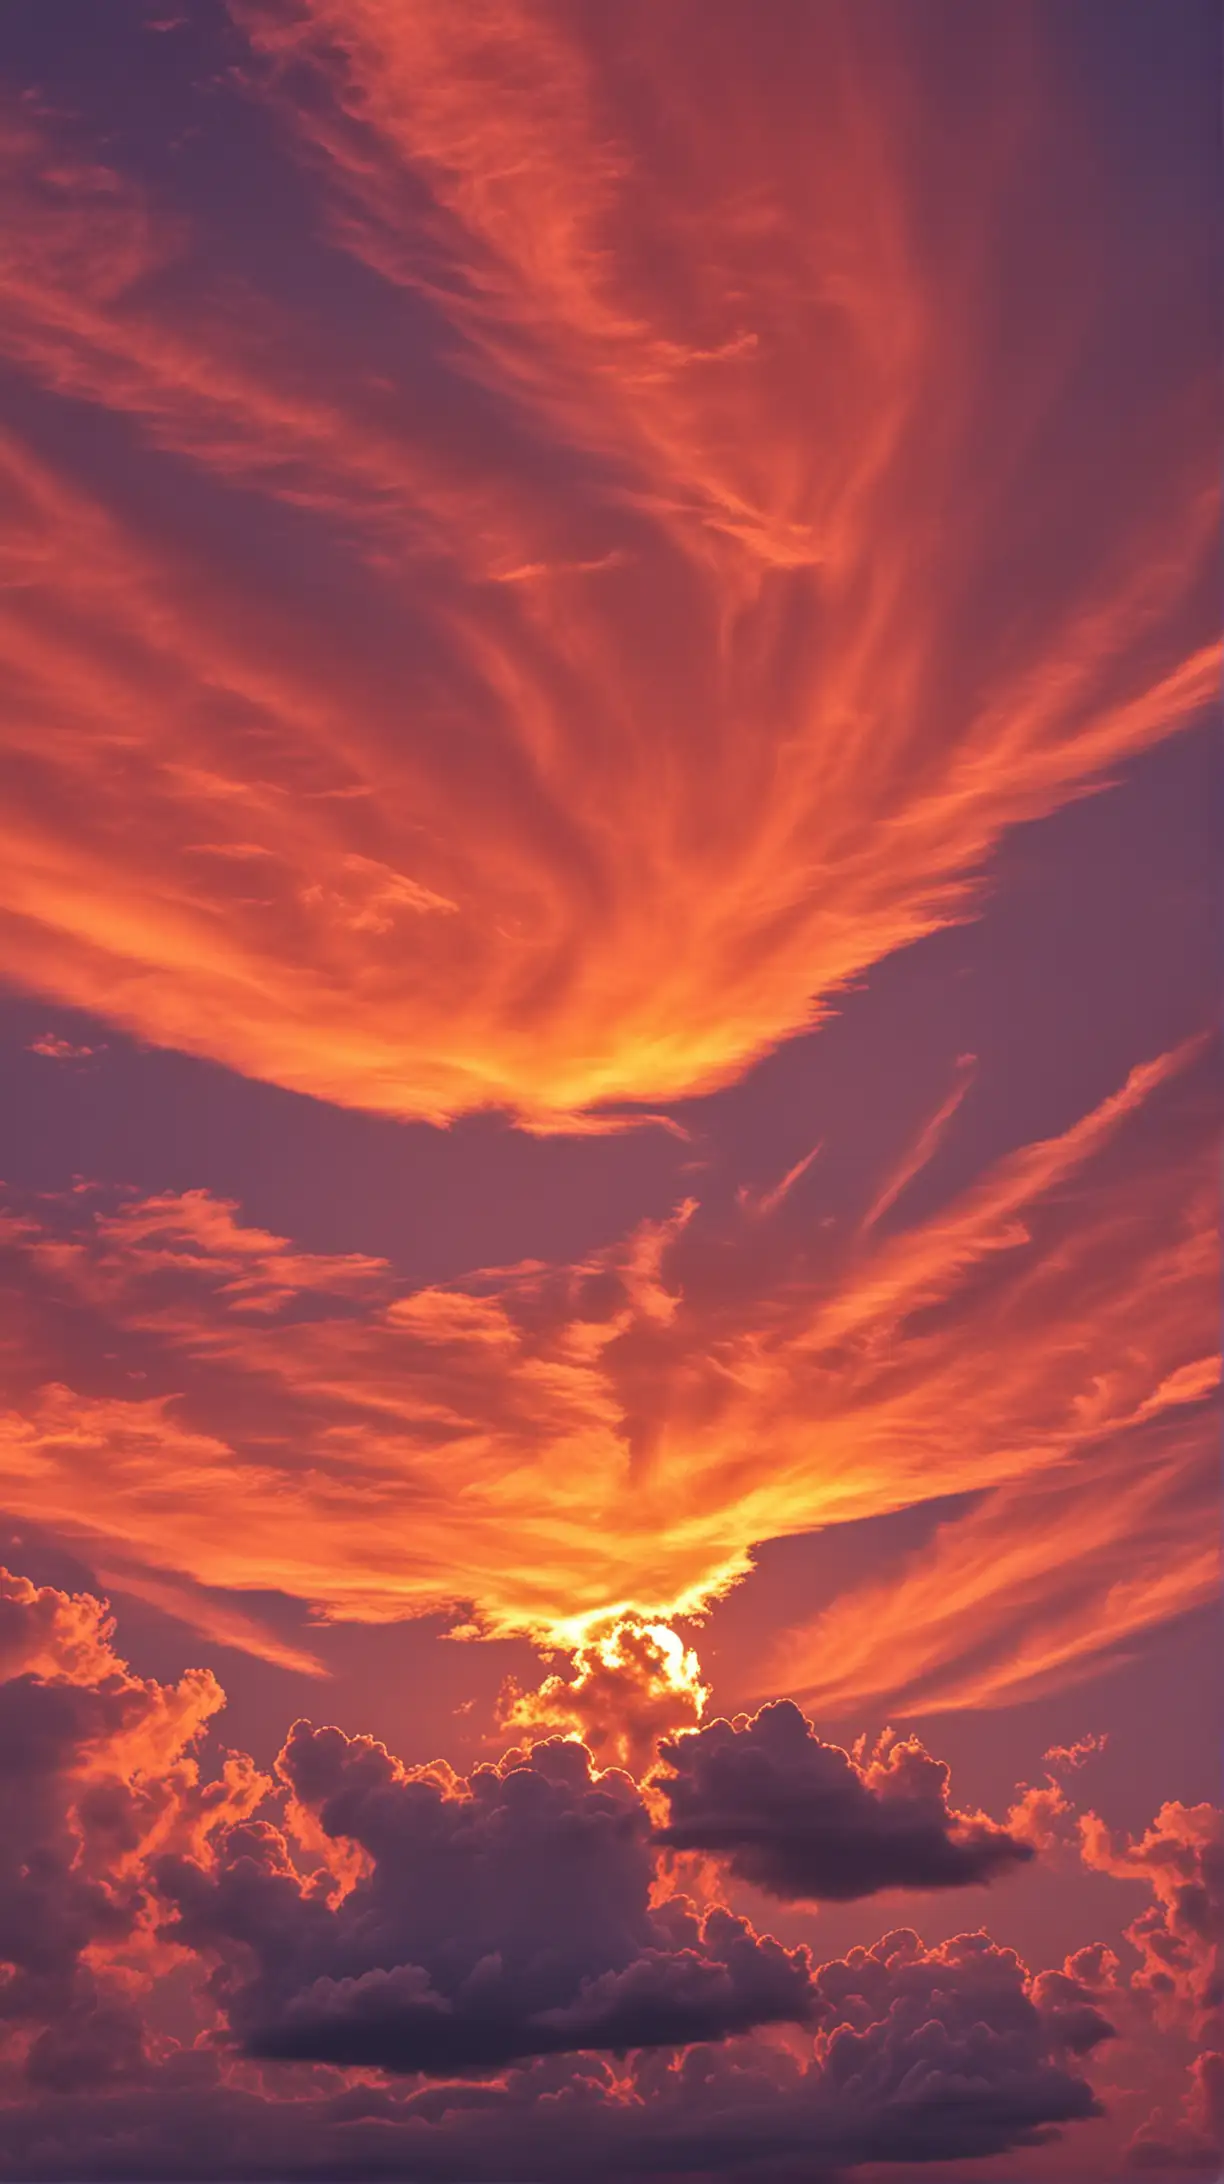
(925, 1145)
(1031, 1587)
(543, 1448)
(224, 1624)
(630, 1684)
(398, 1928)
(1178, 1938)
(666, 674)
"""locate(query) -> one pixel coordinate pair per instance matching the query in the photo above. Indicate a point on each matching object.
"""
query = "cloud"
(802, 1820)
(500, 1918)
(1077, 1755)
(1178, 1938)
(705, 2117)
(56, 1049)
(925, 1145)
(629, 545)
(628, 1428)
(1157, 1995)
(1029, 1589)
(629, 1683)
(1193, 2140)
(225, 1624)
(474, 1945)
(97, 1776)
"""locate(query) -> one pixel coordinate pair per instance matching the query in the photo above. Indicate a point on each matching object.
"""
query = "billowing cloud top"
(799, 1818)
(408, 1921)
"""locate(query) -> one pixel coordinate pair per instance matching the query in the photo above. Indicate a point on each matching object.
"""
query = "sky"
(610, 926)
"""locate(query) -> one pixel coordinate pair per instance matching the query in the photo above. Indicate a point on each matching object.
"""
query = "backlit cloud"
(462, 1923)
(626, 1431)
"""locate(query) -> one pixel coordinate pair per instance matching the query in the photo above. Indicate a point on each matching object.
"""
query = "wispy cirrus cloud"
(1034, 1585)
(547, 1448)
(668, 670)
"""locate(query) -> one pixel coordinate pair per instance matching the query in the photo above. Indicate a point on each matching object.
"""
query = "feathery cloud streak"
(551, 1447)
(663, 512)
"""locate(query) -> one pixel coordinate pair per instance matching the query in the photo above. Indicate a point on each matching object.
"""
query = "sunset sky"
(610, 925)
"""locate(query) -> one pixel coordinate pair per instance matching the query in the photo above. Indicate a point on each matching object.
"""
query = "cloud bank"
(430, 1932)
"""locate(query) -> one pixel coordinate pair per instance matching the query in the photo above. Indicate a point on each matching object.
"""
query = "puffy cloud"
(1193, 2140)
(801, 1819)
(505, 1917)
(1181, 1857)
(1157, 1994)
(1073, 1756)
(644, 599)
(96, 1776)
(931, 2055)
(452, 1927)
(630, 1683)
(54, 1049)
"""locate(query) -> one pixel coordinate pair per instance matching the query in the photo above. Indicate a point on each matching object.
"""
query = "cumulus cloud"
(505, 1917)
(96, 1776)
(801, 1819)
(1157, 1994)
(1194, 2139)
(1179, 1937)
(56, 1049)
(628, 1684)
(931, 2055)
(498, 1951)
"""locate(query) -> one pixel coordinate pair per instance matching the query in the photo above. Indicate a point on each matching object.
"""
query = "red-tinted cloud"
(627, 1430)
(98, 1777)
(663, 667)
(1181, 1857)
(628, 1684)
(461, 1924)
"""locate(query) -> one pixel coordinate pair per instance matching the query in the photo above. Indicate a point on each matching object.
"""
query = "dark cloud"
(509, 1916)
(187, 1984)
(934, 2056)
(802, 1820)
(1069, 2011)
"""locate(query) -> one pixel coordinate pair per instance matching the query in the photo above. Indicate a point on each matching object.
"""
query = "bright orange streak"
(925, 1145)
(706, 629)
(1029, 1590)
(226, 1626)
(555, 1447)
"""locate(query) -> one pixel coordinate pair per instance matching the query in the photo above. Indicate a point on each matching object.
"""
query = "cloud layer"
(432, 1930)
(567, 565)
(628, 1429)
